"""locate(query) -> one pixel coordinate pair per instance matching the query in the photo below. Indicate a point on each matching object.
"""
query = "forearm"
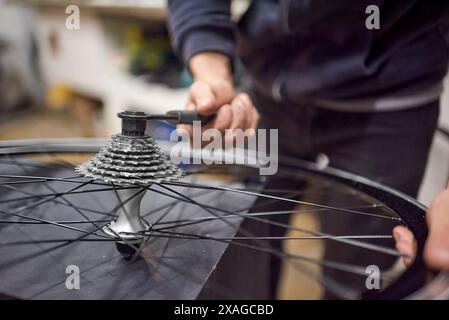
(209, 66)
(203, 35)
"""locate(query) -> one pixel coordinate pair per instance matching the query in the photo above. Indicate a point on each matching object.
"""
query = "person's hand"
(436, 250)
(213, 93)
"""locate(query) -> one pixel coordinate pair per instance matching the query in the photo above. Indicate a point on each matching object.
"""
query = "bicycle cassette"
(131, 157)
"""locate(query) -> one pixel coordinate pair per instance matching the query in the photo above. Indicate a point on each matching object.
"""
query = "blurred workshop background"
(62, 82)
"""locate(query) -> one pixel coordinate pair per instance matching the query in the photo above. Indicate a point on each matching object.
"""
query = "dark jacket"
(320, 51)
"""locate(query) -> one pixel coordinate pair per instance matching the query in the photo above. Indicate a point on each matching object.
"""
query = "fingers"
(245, 115)
(241, 113)
(405, 243)
(255, 121)
(203, 98)
(436, 250)
(223, 119)
(254, 115)
(208, 97)
(231, 112)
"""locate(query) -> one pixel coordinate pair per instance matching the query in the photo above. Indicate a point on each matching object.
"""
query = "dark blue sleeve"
(201, 25)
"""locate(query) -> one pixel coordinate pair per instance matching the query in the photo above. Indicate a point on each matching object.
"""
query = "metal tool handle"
(134, 122)
(187, 117)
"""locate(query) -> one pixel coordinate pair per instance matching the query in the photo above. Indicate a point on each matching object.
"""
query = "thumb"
(405, 243)
(203, 97)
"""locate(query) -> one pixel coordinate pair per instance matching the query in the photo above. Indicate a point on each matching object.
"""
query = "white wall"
(88, 64)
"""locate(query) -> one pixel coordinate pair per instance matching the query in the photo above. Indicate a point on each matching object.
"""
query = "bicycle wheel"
(208, 234)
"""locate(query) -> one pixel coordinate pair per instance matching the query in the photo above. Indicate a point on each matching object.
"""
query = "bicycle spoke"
(261, 213)
(147, 238)
(35, 204)
(355, 243)
(346, 267)
(70, 204)
(56, 201)
(58, 194)
(282, 199)
(60, 222)
(330, 264)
